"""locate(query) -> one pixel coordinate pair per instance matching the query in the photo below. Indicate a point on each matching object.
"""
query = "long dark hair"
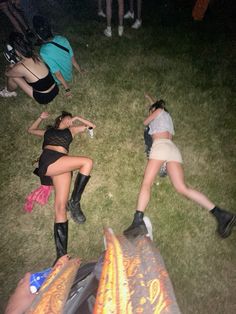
(19, 43)
(159, 104)
(59, 118)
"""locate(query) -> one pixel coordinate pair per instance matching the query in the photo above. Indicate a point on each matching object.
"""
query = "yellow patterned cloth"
(200, 9)
(134, 279)
(54, 292)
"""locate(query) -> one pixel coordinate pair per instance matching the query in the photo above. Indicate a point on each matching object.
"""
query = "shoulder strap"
(59, 46)
(30, 71)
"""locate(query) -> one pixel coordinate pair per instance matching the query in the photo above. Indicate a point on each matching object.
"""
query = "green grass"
(191, 67)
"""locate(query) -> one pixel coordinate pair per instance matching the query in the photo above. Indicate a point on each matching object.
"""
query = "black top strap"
(59, 46)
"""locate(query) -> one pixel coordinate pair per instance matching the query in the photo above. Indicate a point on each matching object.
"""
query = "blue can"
(37, 279)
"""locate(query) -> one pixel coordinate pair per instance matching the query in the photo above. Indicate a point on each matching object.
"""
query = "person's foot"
(120, 30)
(76, 212)
(137, 24)
(129, 15)
(5, 93)
(226, 221)
(137, 228)
(101, 14)
(107, 32)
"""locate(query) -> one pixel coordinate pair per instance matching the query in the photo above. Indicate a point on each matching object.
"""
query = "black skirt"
(47, 158)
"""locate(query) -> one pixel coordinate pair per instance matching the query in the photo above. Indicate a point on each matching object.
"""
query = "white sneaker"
(5, 93)
(101, 13)
(137, 24)
(148, 225)
(120, 30)
(107, 32)
(129, 15)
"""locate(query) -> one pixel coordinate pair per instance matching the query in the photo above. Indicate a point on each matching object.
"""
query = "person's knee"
(181, 189)
(89, 163)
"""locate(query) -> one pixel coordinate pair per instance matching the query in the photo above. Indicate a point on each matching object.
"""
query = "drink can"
(37, 279)
(90, 132)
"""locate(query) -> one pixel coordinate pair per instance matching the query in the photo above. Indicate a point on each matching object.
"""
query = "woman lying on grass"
(54, 162)
(164, 150)
(27, 72)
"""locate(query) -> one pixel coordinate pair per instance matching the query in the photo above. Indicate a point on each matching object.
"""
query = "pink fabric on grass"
(40, 196)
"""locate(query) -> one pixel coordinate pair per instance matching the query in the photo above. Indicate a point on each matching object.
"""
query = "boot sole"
(229, 228)
(76, 220)
(135, 232)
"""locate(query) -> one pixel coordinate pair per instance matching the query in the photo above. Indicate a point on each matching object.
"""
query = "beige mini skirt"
(164, 149)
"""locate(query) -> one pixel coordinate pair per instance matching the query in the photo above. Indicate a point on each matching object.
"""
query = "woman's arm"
(76, 64)
(81, 128)
(84, 121)
(34, 128)
(63, 82)
(151, 99)
(152, 116)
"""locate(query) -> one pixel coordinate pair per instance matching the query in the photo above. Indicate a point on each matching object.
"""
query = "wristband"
(67, 90)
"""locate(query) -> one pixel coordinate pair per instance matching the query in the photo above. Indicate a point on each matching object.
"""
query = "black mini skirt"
(47, 158)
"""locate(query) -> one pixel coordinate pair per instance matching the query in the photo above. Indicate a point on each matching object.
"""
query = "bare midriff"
(59, 149)
(46, 91)
(162, 135)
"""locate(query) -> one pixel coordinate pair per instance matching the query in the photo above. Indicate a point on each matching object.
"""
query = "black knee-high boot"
(137, 227)
(74, 203)
(61, 238)
(226, 221)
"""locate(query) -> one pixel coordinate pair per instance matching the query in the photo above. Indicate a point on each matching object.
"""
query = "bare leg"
(109, 11)
(152, 168)
(69, 163)
(121, 11)
(18, 16)
(8, 13)
(62, 188)
(176, 174)
(14, 82)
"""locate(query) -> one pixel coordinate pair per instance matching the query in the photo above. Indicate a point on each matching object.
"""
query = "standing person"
(130, 14)
(108, 31)
(57, 53)
(100, 10)
(28, 72)
(17, 20)
(55, 163)
(164, 150)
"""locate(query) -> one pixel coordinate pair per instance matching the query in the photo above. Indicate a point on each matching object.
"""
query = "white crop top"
(162, 123)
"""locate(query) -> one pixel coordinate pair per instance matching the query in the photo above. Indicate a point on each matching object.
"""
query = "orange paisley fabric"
(54, 292)
(134, 279)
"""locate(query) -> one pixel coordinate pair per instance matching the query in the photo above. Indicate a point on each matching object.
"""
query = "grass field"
(188, 64)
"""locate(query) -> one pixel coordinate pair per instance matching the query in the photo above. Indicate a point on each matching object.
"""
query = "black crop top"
(43, 84)
(58, 137)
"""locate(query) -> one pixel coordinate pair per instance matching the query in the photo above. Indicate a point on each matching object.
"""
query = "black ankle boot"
(137, 227)
(61, 238)
(74, 203)
(226, 221)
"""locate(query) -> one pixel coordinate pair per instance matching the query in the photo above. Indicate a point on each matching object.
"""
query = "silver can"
(90, 132)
